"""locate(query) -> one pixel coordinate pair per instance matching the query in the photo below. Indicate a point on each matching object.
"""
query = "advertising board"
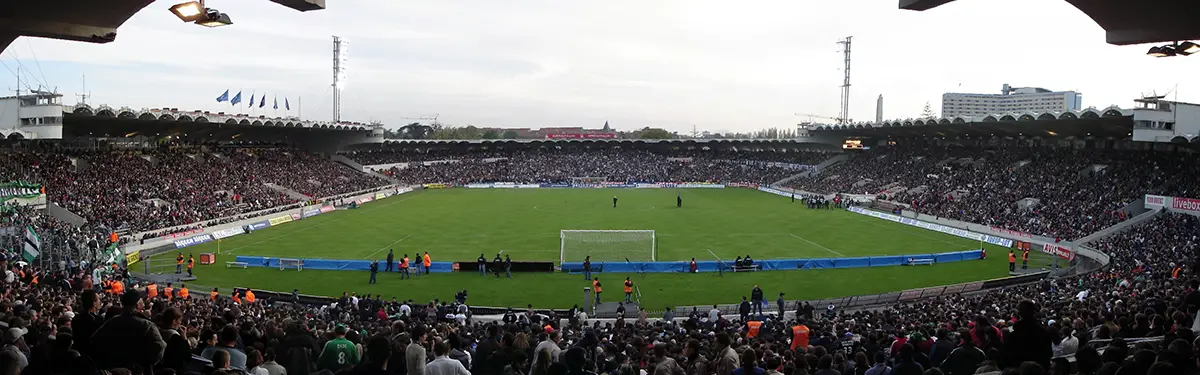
(193, 241)
(280, 220)
(934, 227)
(226, 233)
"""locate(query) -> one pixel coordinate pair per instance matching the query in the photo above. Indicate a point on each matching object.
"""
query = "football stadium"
(1020, 238)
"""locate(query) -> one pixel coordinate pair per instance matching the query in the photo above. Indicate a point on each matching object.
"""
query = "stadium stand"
(1136, 316)
(613, 165)
(1072, 192)
(150, 190)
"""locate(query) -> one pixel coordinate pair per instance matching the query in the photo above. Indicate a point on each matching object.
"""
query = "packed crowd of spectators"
(607, 165)
(148, 190)
(55, 323)
(1073, 195)
(58, 326)
(375, 156)
(408, 155)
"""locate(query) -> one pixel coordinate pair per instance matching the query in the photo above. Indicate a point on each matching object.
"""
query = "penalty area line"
(816, 244)
(368, 257)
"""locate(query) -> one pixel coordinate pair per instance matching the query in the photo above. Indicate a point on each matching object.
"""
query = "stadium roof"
(94, 21)
(1111, 122)
(105, 121)
(1124, 22)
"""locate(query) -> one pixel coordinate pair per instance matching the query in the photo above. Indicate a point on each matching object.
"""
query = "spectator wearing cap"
(339, 353)
(442, 364)
(12, 347)
(227, 342)
(129, 340)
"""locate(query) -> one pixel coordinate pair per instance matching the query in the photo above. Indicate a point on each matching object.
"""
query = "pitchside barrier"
(631, 267)
(772, 264)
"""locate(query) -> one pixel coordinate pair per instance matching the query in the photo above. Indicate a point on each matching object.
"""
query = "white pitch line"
(816, 244)
(368, 257)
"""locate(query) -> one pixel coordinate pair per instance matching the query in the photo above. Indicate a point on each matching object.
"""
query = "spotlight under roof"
(214, 18)
(190, 11)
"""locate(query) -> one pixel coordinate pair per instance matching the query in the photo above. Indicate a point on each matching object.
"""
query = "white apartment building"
(1010, 99)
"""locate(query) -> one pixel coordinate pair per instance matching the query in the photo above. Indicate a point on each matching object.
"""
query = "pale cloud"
(675, 63)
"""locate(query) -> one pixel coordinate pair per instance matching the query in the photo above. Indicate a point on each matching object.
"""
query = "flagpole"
(300, 106)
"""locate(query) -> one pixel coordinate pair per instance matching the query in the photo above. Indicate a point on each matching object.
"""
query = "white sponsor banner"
(193, 241)
(774, 191)
(226, 233)
(934, 227)
(647, 186)
(1155, 201)
(528, 186)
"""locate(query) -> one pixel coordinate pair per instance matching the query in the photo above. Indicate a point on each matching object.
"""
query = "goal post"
(607, 245)
(289, 263)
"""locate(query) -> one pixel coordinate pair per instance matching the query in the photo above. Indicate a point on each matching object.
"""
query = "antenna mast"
(844, 116)
(83, 96)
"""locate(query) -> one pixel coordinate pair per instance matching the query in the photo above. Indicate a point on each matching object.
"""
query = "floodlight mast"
(339, 75)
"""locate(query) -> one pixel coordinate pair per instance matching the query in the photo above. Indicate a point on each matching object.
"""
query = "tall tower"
(339, 75)
(844, 116)
(879, 109)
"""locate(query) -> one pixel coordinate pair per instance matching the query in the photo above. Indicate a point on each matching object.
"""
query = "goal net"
(606, 245)
(288, 264)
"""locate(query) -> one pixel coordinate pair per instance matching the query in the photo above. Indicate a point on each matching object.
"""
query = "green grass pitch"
(458, 224)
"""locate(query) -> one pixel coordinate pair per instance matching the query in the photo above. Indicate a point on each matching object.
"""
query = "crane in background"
(432, 120)
(812, 116)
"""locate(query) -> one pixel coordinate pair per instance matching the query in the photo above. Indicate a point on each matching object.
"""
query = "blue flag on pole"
(251, 100)
(286, 105)
(223, 97)
(262, 102)
(236, 98)
(276, 102)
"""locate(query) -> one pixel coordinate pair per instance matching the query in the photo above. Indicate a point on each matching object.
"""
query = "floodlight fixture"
(214, 18)
(190, 11)
(1187, 48)
(1161, 51)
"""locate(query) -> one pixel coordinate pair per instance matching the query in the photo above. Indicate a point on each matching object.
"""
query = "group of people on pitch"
(403, 266)
(497, 265)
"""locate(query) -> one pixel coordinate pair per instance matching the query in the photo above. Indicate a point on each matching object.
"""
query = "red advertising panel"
(1058, 251)
(581, 136)
(1185, 204)
(1012, 232)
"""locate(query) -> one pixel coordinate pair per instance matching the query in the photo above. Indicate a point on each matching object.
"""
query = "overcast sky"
(718, 65)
